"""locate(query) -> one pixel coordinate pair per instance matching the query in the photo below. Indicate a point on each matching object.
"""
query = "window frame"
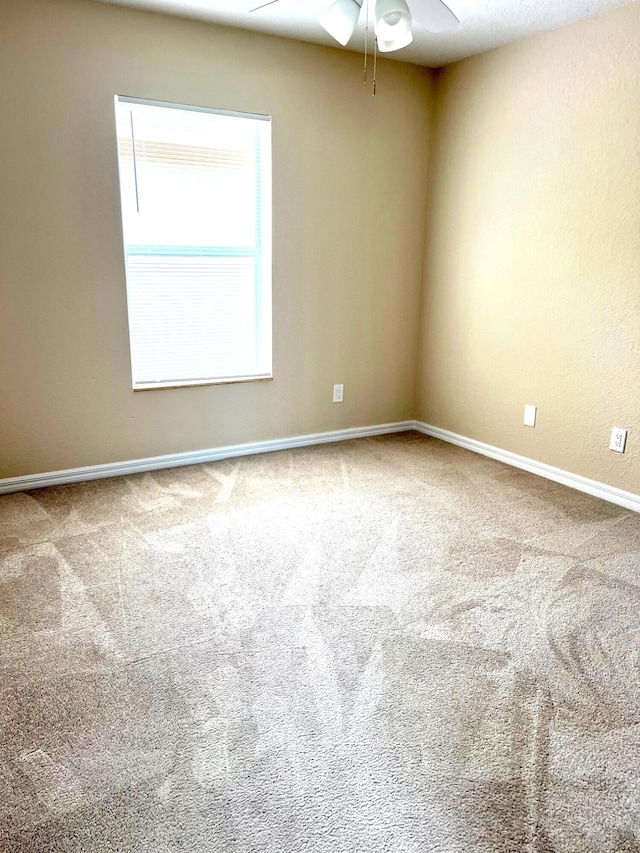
(261, 253)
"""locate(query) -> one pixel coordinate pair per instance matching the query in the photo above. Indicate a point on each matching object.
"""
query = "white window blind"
(196, 215)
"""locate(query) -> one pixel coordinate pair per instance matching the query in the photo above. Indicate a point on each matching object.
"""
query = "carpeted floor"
(382, 645)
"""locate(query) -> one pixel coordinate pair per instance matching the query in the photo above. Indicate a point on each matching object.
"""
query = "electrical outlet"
(338, 393)
(618, 439)
(530, 415)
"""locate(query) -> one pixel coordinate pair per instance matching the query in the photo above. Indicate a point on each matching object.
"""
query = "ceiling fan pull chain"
(375, 64)
(366, 38)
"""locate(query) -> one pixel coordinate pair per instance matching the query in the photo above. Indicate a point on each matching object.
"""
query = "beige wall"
(532, 277)
(532, 282)
(350, 194)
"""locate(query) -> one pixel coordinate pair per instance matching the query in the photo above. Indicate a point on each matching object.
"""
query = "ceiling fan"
(392, 20)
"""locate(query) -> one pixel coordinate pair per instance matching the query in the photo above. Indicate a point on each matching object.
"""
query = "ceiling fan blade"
(434, 15)
(264, 5)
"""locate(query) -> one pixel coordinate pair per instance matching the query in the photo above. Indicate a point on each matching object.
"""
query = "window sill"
(164, 386)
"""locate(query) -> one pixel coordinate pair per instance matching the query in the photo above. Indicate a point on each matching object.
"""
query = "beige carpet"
(382, 645)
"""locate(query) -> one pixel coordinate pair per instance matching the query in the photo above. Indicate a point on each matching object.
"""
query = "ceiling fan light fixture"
(396, 44)
(340, 20)
(392, 24)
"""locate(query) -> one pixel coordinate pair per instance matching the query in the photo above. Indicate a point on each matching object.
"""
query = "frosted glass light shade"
(396, 44)
(392, 25)
(340, 20)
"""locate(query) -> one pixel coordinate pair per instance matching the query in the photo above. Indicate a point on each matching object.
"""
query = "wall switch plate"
(338, 393)
(618, 439)
(530, 415)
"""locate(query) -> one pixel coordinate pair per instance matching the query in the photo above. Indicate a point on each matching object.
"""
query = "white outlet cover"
(338, 393)
(618, 439)
(530, 415)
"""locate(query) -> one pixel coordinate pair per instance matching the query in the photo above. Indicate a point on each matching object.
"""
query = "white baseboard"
(574, 481)
(195, 457)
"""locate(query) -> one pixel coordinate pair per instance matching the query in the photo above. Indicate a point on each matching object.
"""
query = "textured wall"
(350, 183)
(532, 282)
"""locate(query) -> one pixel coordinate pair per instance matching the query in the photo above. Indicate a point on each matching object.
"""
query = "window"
(195, 187)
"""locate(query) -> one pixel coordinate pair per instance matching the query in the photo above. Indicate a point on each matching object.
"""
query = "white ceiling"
(484, 23)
